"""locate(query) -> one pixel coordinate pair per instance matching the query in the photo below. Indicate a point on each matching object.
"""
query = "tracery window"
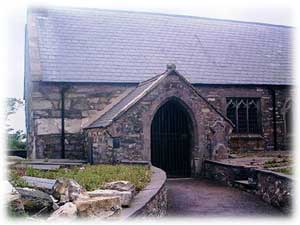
(245, 114)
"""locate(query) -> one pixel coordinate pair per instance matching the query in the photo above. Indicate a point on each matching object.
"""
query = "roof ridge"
(42, 9)
(151, 79)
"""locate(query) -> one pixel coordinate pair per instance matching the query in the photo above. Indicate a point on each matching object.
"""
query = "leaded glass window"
(245, 114)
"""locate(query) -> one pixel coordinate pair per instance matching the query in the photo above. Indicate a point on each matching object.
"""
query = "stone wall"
(217, 94)
(152, 200)
(83, 104)
(210, 130)
(224, 173)
(274, 188)
(157, 207)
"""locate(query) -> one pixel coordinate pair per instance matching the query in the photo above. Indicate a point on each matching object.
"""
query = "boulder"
(34, 200)
(68, 210)
(14, 203)
(125, 196)
(11, 193)
(100, 207)
(120, 185)
(75, 191)
(68, 190)
(59, 188)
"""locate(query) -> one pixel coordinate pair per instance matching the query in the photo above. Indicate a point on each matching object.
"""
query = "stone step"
(44, 166)
(54, 161)
(60, 162)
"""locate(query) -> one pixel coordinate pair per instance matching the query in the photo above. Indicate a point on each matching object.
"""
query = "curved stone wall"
(152, 200)
(273, 188)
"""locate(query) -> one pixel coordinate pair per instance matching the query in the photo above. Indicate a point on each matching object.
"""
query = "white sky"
(14, 18)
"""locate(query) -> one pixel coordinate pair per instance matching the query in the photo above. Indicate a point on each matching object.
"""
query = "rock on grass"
(100, 207)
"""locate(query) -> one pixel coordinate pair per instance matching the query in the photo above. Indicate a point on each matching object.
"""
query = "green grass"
(287, 171)
(277, 163)
(15, 179)
(91, 177)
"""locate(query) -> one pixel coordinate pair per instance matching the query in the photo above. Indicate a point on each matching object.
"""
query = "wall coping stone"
(227, 164)
(246, 136)
(158, 179)
(279, 175)
(135, 162)
(267, 172)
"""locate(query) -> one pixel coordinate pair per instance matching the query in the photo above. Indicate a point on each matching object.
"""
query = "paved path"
(200, 197)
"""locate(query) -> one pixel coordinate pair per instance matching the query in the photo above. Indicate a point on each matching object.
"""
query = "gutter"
(64, 88)
(274, 118)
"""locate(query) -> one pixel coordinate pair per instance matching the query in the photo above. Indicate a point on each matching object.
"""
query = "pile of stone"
(67, 199)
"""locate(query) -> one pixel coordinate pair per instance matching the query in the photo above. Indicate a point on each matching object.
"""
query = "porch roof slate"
(138, 93)
(124, 104)
(92, 45)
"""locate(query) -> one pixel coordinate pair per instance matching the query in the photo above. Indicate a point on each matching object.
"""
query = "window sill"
(246, 136)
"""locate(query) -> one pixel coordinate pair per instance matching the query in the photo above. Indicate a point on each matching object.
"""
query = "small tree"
(15, 139)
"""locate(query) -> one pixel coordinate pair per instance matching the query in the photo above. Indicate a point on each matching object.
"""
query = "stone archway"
(171, 139)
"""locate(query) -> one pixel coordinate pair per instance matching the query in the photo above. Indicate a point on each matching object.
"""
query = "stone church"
(116, 86)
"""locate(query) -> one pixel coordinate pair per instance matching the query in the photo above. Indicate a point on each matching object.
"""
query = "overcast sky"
(14, 19)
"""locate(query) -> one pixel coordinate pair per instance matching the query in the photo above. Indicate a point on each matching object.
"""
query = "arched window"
(242, 120)
(245, 114)
(253, 117)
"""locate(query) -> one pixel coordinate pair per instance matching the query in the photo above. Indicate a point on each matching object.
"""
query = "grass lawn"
(91, 177)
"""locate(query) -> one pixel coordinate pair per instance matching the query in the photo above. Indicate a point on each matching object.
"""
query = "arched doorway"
(171, 139)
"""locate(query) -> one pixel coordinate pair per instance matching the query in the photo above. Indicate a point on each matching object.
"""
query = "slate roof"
(92, 45)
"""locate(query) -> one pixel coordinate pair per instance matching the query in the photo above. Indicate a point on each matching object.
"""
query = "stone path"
(200, 197)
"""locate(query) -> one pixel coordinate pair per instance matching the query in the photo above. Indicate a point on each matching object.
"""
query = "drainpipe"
(274, 118)
(62, 138)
